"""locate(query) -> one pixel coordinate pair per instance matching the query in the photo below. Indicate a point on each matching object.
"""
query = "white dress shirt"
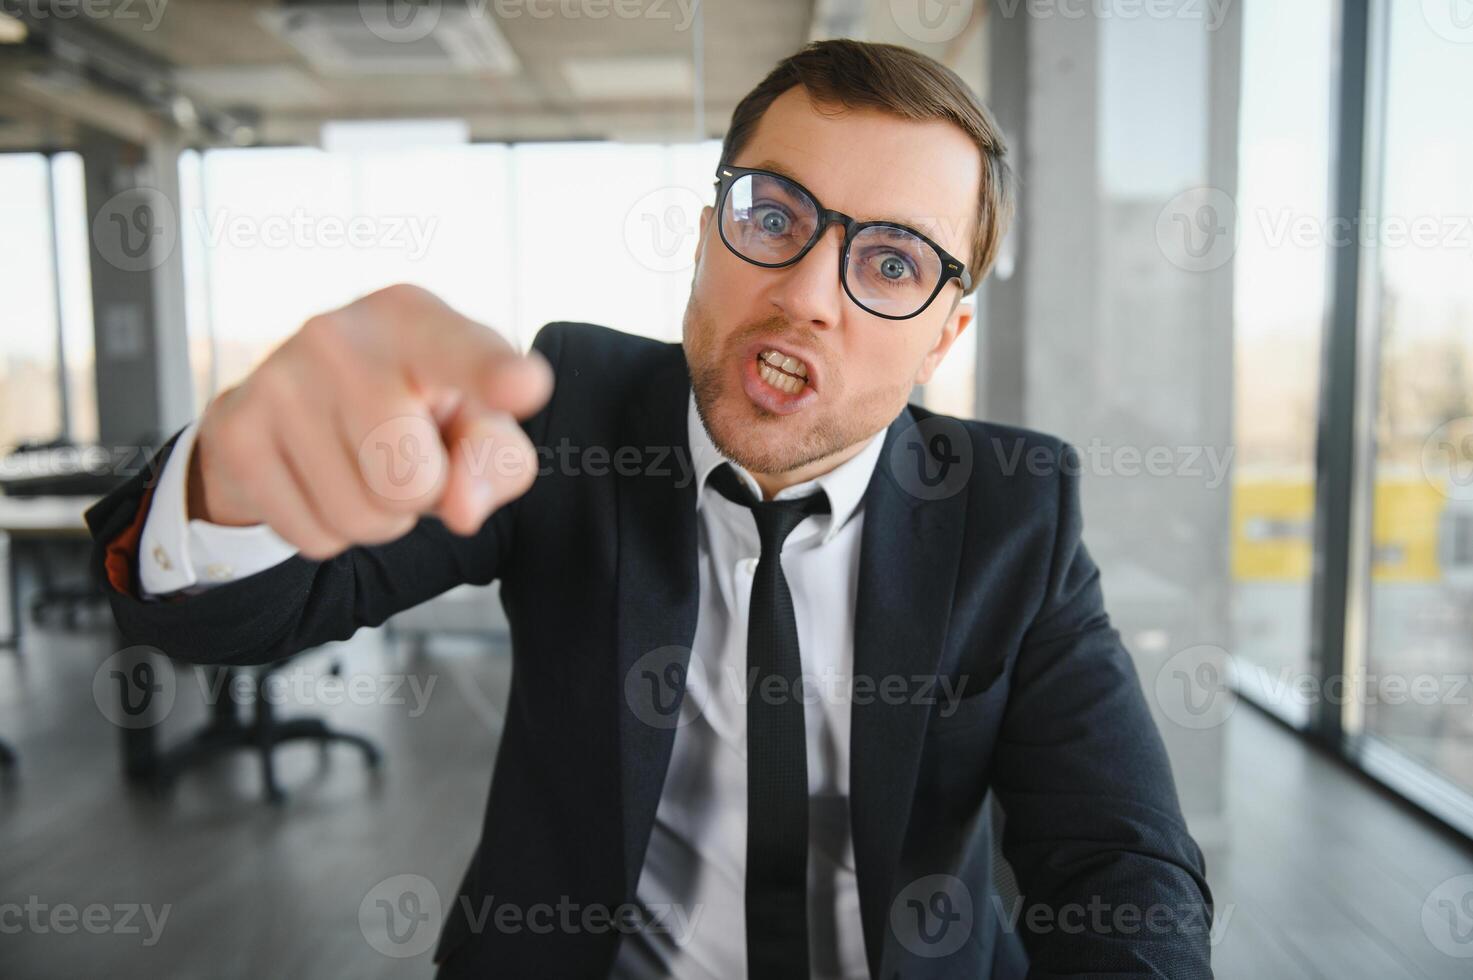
(693, 879)
(178, 554)
(694, 873)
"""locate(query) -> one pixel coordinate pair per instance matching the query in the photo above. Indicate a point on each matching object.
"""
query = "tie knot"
(775, 519)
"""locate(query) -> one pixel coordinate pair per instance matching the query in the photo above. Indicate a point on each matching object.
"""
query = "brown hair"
(858, 74)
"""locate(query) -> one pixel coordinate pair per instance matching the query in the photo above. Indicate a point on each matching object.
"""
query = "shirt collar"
(844, 484)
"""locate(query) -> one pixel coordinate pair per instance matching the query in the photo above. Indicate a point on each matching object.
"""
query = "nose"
(809, 291)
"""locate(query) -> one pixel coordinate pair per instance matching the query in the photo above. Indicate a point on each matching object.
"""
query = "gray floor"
(1324, 878)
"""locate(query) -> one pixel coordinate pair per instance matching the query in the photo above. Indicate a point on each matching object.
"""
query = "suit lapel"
(909, 552)
(658, 596)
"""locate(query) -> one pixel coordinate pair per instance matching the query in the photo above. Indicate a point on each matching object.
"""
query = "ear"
(956, 321)
(706, 213)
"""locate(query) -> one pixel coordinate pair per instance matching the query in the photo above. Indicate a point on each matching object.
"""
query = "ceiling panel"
(223, 54)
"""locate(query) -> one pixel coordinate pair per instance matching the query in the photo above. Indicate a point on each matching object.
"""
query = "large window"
(1419, 650)
(1279, 318)
(1353, 502)
(514, 236)
(46, 386)
(30, 399)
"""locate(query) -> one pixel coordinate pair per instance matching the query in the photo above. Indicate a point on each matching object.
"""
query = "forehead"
(874, 165)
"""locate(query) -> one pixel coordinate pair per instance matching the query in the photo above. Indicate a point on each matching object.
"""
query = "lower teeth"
(778, 380)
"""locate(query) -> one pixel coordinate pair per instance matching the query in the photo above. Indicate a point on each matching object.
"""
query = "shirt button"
(748, 566)
(161, 557)
(219, 573)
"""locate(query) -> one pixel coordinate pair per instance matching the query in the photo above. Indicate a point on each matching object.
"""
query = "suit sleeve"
(299, 603)
(1094, 831)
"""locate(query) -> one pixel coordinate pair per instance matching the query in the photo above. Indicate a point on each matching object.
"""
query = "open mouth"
(784, 373)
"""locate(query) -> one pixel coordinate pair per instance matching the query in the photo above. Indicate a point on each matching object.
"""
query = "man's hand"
(368, 417)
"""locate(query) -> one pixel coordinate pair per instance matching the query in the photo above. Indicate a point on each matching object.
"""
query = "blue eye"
(773, 221)
(893, 267)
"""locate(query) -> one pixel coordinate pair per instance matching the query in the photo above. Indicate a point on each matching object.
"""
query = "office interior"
(1239, 283)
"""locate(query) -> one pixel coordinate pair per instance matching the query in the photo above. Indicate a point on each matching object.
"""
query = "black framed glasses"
(888, 269)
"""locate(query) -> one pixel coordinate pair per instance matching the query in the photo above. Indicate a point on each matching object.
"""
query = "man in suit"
(776, 633)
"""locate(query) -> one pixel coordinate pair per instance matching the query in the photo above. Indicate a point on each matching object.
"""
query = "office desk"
(38, 519)
(45, 516)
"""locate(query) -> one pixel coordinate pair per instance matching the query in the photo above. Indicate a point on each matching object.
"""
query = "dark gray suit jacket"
(972, 569)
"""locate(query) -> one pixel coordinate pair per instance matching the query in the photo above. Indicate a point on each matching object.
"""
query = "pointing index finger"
(444, 349)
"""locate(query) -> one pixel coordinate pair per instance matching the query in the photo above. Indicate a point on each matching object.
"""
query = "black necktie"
(777, 747)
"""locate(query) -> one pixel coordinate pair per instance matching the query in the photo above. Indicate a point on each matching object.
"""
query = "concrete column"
(144, 389)
(1115, 333)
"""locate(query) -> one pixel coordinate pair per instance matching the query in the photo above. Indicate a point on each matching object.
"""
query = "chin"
(758, 440)
(762, 430)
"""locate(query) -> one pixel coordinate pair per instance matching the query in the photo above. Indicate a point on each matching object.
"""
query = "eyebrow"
(783, 171)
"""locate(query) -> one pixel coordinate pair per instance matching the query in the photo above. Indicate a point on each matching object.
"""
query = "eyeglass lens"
(768, 220)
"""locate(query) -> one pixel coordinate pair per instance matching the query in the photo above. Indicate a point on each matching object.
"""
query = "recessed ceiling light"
(12, 31)
(631, 77)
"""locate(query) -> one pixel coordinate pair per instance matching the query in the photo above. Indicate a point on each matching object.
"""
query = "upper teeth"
(789, 364)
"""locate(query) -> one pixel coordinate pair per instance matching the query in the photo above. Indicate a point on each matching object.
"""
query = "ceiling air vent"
(395, 37)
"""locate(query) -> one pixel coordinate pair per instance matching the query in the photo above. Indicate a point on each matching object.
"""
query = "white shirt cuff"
(176, 553)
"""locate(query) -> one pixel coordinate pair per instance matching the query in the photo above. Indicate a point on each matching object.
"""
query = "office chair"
(225, 731)
(38, 473)
(66, 600)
